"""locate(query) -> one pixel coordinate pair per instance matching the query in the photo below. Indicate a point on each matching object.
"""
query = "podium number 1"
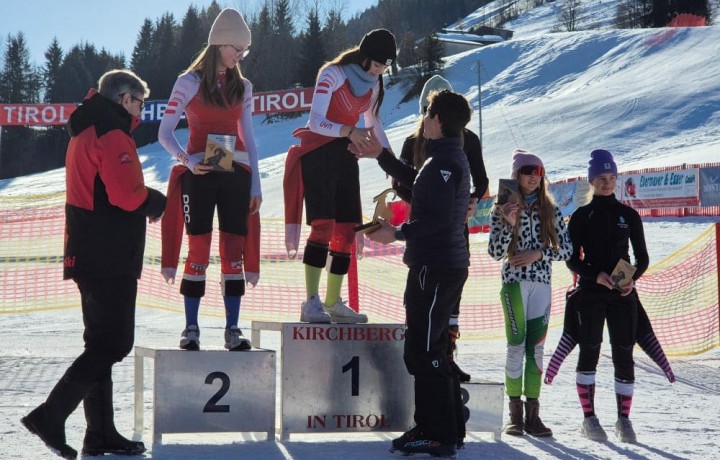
(211, 405)
(354, 366)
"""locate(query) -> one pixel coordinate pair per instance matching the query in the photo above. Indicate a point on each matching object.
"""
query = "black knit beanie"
(379, 45)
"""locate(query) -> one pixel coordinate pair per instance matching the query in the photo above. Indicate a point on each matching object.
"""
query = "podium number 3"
(354, 366)
(211, 405)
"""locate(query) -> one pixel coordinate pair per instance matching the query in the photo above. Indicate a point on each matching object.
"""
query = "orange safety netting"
(679, 293)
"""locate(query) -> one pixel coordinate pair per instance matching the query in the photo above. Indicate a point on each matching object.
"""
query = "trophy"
(382, 211)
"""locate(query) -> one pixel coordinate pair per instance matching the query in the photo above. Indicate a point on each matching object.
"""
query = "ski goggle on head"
(529, 170)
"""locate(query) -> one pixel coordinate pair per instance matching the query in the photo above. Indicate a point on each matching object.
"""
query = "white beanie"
(435, 83)
(230, 28)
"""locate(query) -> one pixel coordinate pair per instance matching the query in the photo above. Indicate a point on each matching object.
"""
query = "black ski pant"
(594, 307)
(431, 294)
(108, 307)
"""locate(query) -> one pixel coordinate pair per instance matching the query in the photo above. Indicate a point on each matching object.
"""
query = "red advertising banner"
(35, 114)
(292, 100)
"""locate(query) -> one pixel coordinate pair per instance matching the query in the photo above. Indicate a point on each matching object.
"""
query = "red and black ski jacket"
(107, 200)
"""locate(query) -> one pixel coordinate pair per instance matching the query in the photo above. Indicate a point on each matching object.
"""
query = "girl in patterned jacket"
(216, 100)
(528, 235)
(326, 174)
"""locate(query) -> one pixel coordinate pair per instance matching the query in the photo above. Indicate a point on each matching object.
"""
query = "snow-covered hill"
(649, 96)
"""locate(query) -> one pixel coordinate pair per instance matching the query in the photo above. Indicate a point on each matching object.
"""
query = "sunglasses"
(529, 170)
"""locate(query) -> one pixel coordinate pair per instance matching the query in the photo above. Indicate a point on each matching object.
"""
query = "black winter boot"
(515, 426)
(50, 430)
(533, 425)
(454, 335)
(47, 421)
(101, 437)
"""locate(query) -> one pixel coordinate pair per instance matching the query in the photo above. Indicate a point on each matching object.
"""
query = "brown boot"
(515, 426)
(533, 425)
(463, 376)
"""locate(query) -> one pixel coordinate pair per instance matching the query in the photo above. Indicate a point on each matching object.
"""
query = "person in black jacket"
(437, 257)
(107, 205)
(602, 231)
(413, 153)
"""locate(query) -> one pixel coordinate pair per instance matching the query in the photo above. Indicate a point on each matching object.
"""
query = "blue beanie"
(601, 162)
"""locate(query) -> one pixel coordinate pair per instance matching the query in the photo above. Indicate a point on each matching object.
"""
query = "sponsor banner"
(570, 195)
(710, 187)
(293, 100)
(35, 114)
(662, 189)
(480, 221)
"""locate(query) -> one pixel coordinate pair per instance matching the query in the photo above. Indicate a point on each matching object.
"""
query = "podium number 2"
(354, 366)
(211, 405)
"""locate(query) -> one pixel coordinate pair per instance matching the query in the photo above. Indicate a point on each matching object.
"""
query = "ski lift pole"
(479, 64)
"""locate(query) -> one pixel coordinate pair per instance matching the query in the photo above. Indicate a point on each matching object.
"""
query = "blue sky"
(113, 25)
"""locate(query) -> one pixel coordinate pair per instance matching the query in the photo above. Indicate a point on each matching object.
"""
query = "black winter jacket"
(440, 197)
(604, 229)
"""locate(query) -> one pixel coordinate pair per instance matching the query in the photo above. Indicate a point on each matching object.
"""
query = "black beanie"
(379, 45)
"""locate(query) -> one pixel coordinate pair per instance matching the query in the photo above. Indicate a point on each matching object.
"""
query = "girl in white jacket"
(527, 233)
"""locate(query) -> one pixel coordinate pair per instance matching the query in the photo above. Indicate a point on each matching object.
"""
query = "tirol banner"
(35, 114)
(710, 187)
(662, 189)
(292, 100)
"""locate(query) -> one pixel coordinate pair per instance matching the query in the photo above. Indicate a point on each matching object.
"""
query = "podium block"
(342, 377)
(351, 378)
(483, 403)
(207, 391)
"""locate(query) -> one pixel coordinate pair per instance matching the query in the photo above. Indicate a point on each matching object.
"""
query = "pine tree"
(407, 56)
(52, 141)
(192, 37)
(282, 46)
(334, 34)
(19, 80)
(311, 55)
(51, 71)
(431, 56)
(207, 16)
(164, 61)
(142, 62)
(660, 15)
(19, 83)
(256, 66)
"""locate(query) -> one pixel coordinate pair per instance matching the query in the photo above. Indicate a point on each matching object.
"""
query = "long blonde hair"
(205, 64)
(546, 210)
(355, 56)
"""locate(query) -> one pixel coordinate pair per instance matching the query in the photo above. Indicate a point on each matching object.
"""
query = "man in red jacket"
(107, 204)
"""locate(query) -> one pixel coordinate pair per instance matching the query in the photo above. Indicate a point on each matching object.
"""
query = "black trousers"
(594, 307)
(108, 307)
(431, 294)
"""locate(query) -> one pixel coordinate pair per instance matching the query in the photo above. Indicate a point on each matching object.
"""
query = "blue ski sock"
(232, 310)
(192, 306)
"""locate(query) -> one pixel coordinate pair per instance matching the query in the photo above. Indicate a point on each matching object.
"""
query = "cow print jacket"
(528, 238)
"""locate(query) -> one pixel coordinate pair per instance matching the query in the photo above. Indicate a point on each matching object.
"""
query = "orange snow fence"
(679, 293)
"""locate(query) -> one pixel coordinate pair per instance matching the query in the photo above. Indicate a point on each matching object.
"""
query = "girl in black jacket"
(602, 231)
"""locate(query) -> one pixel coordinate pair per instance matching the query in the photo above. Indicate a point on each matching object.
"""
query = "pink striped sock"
(586, 393)
(566, 345)
(624, 402)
